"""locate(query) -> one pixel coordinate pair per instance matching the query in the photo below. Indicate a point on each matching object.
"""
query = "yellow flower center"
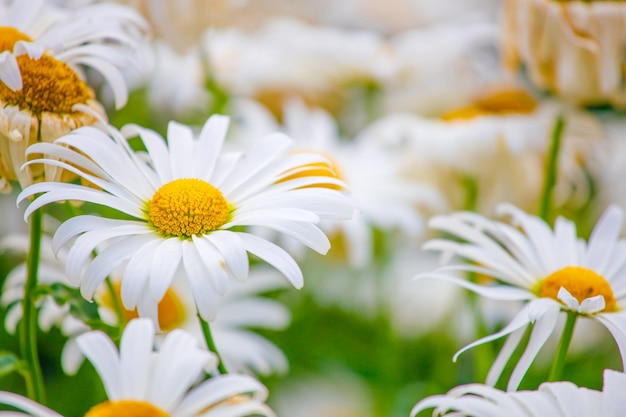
(125, 408)
(49, 85)
(328, 169)
(500, 102)
(9, 36)
(187, 207)
(582, 283)
(171, 310)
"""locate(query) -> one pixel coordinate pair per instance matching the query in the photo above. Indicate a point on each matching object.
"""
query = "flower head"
(187, 201)
(551, 270)
(139, 381)
(43, 94)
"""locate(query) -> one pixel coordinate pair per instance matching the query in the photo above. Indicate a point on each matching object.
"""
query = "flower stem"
(551, 167)
(559, 360)
(28, 324)
(206, 329)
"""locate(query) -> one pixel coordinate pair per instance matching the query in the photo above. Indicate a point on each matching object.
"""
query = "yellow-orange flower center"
(328, 169)
(187, 207)
(171, 310)
(48, 85)
(9, 36)
(581, 282)
(125, 408)
(500, 102)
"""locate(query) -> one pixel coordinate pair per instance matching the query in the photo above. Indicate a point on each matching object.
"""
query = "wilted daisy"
(43, 94)
(553, 271)
(554, 399)
(139, 381)
(187, 202)
(572, 48)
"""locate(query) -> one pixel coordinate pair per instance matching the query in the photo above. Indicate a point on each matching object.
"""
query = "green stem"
(206, 329)
(559, 360)
(551, 168)
(28, 324)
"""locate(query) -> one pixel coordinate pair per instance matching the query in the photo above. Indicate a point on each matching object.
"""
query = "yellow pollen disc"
(582, 283)
(171, 310)
(49, 85)
(328, 169)
(498, 103)
(125, 408)
(9, 36)
(187, 207)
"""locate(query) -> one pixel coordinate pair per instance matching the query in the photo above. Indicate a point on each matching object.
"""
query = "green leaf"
(9, 363)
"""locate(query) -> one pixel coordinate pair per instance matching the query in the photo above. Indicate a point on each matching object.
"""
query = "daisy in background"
(43, 94)
(552, 271)
(176, 86)
(554, 399)
(242, 308)
(140, 381)
(571, 48)
(498, 142)
(440, 65)
(287, 57)
(385, 199)
(185, 203)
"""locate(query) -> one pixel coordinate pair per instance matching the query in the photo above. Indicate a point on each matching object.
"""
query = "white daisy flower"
(572, 48)
(439, 66)
(102, 36)
(384, 197)
(554, 399)
(552, 271)
(139, 381)
(187, 201)
(500, 142)
(288, 57)
(176, 86)
(43, 94)
(242, 307)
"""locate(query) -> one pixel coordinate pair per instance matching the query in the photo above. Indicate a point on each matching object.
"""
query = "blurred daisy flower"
(287, 58)
(139, 381)
(572, 48)
(243, 307)
(385, 199)
(498, 141)
(552, 271)
(43, 94)
(554, 399)
(185, 202)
